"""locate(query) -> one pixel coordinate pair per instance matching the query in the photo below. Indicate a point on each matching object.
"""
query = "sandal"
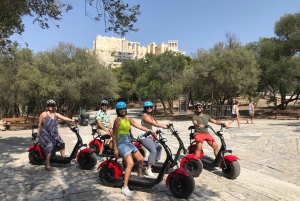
(48, 168)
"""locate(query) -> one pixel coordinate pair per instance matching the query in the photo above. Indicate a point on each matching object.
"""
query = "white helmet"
(104, 102)
(50, 102)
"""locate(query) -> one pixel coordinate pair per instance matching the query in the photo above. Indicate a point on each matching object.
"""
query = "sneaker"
(126, 192)
(149, 172)
(100, 158)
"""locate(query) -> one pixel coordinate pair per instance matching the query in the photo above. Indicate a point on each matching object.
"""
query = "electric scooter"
(180, 182)
(189, 162)
(86, 157)
(228, 163)
(108, 151)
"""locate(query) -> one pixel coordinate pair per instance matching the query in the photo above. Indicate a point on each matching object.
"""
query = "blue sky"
(195, 24)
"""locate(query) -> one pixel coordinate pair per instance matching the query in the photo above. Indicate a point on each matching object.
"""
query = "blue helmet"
(148, 103)
(120, 105)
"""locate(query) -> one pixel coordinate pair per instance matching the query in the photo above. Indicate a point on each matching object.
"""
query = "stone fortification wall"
(106, 48)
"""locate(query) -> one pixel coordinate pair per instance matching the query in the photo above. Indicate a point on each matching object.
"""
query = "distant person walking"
(251, 112)
(235, 115)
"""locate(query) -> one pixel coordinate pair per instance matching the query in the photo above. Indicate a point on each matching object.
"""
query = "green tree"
(118, 16)
(71, 76)
(11, 95)
(223, 72)
(279, 62)
(162, 78)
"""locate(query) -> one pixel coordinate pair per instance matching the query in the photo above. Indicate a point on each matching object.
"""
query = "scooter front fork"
(223, 155)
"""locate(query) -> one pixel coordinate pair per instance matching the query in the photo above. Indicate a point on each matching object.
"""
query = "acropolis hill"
(111, 50)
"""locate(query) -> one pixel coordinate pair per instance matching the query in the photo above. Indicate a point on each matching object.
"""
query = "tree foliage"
(223, 72)
(117, 16)
(278, 58)
(162, 78)
(71, 76)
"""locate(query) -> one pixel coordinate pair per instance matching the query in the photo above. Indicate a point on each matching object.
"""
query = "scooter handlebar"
(144, 135)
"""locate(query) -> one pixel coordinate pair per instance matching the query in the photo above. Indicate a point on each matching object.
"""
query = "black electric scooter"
(86, 157)
(180, 182)
(189, 162)
(228, 163)
(108, 151)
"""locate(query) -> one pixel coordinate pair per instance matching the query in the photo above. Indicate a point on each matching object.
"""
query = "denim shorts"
(125, 146)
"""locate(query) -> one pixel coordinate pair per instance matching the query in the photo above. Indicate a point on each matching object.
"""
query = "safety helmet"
(104, 102)
(50, 102)
(120, 105)
(198, 104)
(148, 103)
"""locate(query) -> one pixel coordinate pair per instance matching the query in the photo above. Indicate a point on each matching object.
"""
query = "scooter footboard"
(36, 148)
(229, 158)
(115, 166)
(179, 171)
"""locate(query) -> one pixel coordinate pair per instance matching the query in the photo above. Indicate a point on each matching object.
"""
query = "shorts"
(233, 115)
(125, 146)
(200, 137)
(101, 132)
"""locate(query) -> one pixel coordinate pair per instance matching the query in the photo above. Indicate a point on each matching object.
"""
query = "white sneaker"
(126, 192)
(149, 172)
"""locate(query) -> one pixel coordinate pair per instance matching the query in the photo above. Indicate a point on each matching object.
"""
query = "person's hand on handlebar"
(116, 152)
(201, 126)
(165, 126)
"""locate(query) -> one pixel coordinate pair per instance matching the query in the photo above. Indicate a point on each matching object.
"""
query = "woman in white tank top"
(149, 121)
(235, 115)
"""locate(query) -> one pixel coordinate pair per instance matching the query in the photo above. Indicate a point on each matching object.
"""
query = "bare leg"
(129, 161)
(48, 160)
(101, 149)
(215, 146)
(230, 122)
(62, 152)
(238, 121)
(138, 156)
(199, 148)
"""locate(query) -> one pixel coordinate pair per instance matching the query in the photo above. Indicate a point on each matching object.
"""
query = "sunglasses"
(148, 107)
(50, 105)
(198, 107)
(104, 105)
(123, 108)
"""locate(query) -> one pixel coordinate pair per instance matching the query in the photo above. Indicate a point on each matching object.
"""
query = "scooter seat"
(94, 131)
(191, 128)
(34, 136)
(105, 137)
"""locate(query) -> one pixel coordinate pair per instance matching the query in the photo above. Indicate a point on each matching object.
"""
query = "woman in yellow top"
(123, 145)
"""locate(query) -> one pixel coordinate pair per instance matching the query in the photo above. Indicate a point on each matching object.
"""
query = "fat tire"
(105, 175)
(194, 167)
(186, 188)
(87, 161)
(233, 169)
(94, 147)
(35, 159)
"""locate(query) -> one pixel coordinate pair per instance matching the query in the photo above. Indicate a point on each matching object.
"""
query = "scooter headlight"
(164, 140)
